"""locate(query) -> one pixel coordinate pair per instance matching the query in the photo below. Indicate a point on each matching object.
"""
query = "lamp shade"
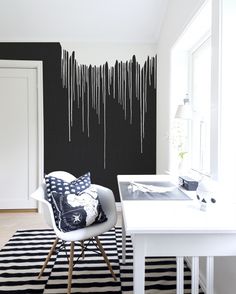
(184, 111)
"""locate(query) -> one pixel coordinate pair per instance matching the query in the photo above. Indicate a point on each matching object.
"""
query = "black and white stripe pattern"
(24, 254)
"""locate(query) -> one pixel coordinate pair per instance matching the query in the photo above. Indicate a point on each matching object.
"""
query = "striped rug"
(24, 254)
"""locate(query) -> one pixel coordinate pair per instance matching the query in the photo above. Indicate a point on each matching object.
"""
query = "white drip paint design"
(90, 86)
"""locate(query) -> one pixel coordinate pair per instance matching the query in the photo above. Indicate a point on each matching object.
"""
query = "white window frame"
(196, 46)
(179, 83)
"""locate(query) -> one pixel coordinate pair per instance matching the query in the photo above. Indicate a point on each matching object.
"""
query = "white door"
(19, 166)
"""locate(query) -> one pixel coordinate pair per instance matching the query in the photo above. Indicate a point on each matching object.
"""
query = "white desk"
(176, 228)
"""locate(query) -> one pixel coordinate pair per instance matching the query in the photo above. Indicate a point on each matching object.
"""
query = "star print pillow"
(74, 211)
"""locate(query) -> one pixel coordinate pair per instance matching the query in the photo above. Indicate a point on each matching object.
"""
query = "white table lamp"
(184, 111)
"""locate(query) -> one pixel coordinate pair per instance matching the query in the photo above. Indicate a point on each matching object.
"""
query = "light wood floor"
(11, 222)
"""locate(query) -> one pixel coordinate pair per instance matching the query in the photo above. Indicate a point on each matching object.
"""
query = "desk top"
(153, 191)
(174, 217)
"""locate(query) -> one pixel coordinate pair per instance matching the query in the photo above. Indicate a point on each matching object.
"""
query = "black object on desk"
(188, 183)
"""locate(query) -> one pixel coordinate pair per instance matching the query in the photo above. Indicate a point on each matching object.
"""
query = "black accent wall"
(82, 153)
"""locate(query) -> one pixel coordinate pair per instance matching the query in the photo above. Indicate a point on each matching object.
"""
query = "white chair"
(91, 232)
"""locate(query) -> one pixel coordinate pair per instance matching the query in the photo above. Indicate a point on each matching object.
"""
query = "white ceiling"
(81, 20)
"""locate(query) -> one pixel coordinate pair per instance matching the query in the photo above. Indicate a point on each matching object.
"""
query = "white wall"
(179, 13)
(99, 53)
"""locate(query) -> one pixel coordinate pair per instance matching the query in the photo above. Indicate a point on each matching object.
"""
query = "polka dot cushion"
(60, 186)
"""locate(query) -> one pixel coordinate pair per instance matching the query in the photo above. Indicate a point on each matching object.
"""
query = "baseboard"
(202, 278)
(118, 207)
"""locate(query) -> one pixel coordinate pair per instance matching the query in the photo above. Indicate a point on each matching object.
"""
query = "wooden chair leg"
(71, 264)
(105, 257)
(48, 257)
(82, 249)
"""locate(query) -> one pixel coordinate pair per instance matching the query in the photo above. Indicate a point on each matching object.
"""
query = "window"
(200, 93)
(192, 59)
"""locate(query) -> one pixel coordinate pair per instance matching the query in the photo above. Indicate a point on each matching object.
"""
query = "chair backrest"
(63, 175)
(41, 195)
(107, 200)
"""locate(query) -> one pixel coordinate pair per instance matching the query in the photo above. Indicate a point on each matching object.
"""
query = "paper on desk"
(134, 186)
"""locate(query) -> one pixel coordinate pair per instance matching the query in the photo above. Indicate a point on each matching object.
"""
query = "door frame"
(38, 65)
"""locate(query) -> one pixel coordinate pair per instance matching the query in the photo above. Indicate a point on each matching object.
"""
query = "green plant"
(182, 154)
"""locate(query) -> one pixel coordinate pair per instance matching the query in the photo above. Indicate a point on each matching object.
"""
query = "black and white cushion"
(55, 184)
(75, 204)
(75, 211)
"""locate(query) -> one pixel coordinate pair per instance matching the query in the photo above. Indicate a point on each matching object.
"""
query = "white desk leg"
(210, 275)
(195, 274)
(123, 242)
(139, 265)
(180, 275)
